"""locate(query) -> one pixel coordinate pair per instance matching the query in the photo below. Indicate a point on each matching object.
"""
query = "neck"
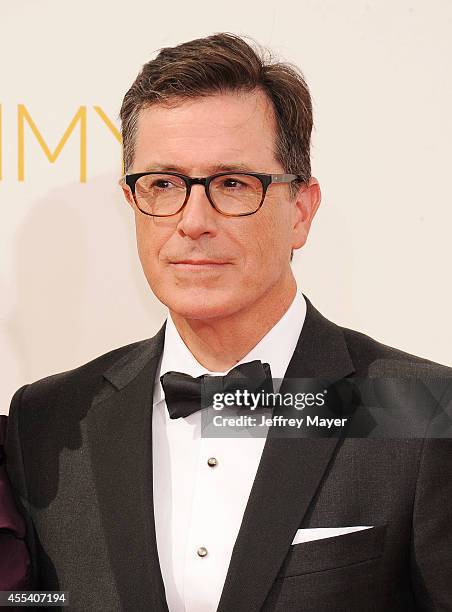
(219, 343)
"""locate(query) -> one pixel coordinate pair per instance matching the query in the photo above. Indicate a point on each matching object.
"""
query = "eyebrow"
(211, 169)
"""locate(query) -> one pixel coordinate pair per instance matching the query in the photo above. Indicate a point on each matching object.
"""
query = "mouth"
(198, 264)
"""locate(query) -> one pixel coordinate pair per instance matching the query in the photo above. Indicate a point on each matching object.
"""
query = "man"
(128, 507)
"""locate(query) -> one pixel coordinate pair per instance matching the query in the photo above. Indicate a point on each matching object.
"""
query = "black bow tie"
(185, 395)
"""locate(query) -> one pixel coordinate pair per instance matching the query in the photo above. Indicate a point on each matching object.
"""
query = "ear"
(306, 203)
(126, 191)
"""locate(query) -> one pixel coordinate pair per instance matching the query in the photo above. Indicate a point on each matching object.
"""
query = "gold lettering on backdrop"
(111, 126)
(24, 116)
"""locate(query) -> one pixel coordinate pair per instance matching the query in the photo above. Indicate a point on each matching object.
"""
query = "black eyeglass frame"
(265, 179)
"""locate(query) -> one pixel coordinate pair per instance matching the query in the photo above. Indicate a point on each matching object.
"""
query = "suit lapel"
(287, 479)
(120, 435)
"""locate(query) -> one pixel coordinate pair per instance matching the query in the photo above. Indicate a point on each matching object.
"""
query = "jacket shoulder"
(374, 358)
(75, 380)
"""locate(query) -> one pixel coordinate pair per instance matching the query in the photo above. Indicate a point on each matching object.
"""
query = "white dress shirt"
(198, 508)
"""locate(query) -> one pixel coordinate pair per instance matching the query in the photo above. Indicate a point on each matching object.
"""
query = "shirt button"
(202, 552)
(212, 462)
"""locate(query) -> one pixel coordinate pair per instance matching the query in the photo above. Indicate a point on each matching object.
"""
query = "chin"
(200, 304)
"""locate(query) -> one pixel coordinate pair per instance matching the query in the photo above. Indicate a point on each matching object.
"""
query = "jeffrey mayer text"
(276, 421)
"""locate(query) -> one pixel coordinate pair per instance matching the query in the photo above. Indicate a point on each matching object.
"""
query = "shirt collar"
(275, 348)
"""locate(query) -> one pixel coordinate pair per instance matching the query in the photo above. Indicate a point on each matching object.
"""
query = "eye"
(163, 184)
(232, 183)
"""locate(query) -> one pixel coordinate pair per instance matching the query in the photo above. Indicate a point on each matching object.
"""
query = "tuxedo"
(198, 505)
(79, 457)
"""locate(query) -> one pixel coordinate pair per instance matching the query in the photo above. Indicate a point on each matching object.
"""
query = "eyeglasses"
(233, 194)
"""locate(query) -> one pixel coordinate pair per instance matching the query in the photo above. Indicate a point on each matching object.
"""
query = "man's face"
(198, 138)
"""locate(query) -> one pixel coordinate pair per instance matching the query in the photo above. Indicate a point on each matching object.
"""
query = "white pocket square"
(319, 533)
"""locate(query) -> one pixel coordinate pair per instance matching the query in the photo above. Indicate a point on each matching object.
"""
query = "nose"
(198, 216)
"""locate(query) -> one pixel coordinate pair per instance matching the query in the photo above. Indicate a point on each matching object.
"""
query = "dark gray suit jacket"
(80, 460)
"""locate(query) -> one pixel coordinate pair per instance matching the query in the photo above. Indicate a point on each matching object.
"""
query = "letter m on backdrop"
(24, 116)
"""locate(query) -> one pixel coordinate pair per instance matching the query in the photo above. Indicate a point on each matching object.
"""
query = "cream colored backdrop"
(379, 255)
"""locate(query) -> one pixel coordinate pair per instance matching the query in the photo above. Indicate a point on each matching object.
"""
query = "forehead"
(233, 127)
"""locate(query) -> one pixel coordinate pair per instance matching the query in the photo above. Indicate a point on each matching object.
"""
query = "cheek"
(260, 244)
(149, 242)
(272, 236)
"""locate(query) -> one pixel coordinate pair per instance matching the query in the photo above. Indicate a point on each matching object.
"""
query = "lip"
(199, 265)
(199, 262)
